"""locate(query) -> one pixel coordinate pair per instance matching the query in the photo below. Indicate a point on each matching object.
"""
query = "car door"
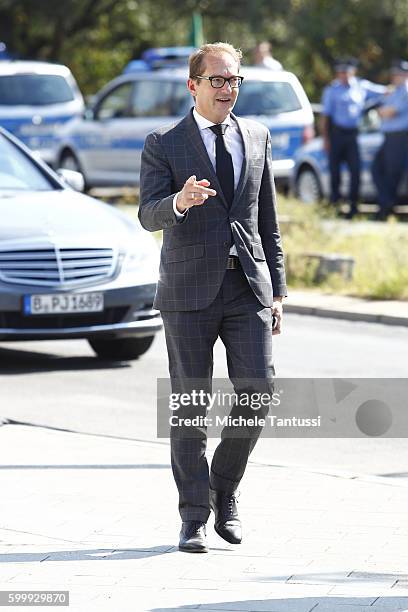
(155, 102)
(104, 139)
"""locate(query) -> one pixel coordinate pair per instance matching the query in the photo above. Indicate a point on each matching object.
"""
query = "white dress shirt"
(234, 144)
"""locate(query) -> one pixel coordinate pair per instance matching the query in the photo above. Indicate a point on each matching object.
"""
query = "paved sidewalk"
(97, 516)
(388, 312)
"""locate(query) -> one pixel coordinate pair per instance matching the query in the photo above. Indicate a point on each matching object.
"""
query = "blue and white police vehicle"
(37, 98)
(160, 57)
(310, 179)
(106, 144)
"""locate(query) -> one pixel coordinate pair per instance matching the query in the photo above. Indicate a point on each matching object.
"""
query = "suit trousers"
(245, 327)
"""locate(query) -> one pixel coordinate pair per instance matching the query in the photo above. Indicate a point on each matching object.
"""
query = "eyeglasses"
(218, 81)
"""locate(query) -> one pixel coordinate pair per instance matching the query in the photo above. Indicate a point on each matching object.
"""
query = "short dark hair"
(197, 59)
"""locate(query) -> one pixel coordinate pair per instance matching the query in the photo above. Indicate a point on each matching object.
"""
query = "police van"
(106, 144)
(37, 98)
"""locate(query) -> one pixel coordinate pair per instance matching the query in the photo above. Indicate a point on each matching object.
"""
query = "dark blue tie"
(223, 163)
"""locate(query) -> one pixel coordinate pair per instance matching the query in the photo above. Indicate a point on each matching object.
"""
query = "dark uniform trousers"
(344, 149)
(388, 168)
(245, 327)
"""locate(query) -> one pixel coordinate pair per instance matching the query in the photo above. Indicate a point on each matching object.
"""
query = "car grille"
(56, 267)
(16, 320)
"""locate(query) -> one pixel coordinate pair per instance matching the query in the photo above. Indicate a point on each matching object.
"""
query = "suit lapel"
(194, 136)
(245, 162)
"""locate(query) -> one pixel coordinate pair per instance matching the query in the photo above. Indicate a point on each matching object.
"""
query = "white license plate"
(62, 303)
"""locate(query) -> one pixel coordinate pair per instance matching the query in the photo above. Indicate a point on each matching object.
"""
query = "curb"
(333, 473)
(318, 311)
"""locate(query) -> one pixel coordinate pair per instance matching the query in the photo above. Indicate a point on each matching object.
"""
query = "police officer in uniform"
(344, 102)
(391, 160)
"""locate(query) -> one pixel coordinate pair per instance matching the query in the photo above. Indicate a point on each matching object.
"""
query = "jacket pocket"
(185, 253)
(258, 252)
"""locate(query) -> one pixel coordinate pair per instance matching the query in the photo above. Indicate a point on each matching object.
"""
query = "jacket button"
(225, 243)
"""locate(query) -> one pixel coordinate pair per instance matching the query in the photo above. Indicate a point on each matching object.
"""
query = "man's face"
(215, 104)
(344, 76)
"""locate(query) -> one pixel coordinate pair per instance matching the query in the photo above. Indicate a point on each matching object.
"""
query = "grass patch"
(380, 251)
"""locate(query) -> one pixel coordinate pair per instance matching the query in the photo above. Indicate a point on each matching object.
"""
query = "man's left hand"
(277, 310)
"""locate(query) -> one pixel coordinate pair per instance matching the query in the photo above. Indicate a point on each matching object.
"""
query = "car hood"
(65, 215)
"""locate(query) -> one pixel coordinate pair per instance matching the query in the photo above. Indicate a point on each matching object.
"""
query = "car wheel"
(308, 187)
(69, 162)
(121, 349)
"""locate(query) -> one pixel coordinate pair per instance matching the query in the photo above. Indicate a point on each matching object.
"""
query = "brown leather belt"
(233, 263)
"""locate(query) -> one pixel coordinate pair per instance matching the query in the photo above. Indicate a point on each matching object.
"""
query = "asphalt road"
(61, 384)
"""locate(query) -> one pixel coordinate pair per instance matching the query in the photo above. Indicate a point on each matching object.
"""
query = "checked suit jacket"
(195, 250)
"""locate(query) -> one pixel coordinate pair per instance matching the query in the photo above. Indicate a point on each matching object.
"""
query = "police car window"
(152, 99)
(17, 172)
(34, 90)
(116, 104)
(266, 98)
(182, 99)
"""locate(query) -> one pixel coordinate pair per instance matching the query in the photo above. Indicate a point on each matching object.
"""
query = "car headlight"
(141, 259)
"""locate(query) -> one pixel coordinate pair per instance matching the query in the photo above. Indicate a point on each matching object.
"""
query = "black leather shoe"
(227, 523)
(193, 537)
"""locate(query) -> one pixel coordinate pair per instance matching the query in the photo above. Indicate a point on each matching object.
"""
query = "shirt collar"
(204, 123)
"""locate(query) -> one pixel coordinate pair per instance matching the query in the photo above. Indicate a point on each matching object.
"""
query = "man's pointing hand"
(194, 193)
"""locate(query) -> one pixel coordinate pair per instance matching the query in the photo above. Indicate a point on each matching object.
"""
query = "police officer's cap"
(344, 64)
(399, 66)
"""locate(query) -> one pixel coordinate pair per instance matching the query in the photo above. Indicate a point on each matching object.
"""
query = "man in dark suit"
(207, 182)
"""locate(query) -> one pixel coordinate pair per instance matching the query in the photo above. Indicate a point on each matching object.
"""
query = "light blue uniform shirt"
(398, 99)
(344, 104)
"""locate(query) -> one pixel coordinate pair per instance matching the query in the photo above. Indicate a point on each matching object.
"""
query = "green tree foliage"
(373, 31)
(96, 38)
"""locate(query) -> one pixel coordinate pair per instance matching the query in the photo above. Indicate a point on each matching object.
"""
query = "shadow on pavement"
(14, 361)
(360, 578)
(90, 466)
(346, 603)
(93, 554)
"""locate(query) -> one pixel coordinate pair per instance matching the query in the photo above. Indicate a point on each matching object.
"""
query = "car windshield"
(18, 172)
(266, 98)
(34, 90)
